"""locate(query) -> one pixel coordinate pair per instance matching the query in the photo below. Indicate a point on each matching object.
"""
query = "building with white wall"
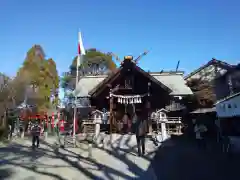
(229, 106)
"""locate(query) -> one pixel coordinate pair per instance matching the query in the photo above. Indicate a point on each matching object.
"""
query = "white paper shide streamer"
(128, 99)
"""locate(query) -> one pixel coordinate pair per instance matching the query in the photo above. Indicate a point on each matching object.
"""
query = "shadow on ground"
(6, 173)
(177, 158)
(23, 156)
(180, 158)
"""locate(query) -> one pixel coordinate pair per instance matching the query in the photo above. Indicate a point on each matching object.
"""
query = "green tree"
(11, 95)
(93, 63)
(43, 79)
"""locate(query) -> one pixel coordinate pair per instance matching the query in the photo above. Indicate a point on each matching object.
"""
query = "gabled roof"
(228, 98)
(204, 110)
(175, 82)
(162, 110)
(230, 71)
(172, 81)
(96, 111)
(105, 80)
(88, 83)
(221, 64)
(117, 73)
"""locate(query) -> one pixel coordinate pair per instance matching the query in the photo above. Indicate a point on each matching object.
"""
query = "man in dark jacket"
(36, 131)
(140, 131)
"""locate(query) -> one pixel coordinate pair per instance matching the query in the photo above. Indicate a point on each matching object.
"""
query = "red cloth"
(61, 125)
(53, 117)
(76, 126)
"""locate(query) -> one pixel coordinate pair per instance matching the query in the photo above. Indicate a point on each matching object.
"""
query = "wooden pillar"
(149, 121)
(149, 110)
(111, 111)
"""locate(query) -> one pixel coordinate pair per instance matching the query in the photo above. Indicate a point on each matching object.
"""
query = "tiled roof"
(87, 83)
(213, 61)
(173, 81)
(228, 98)
(204, 110)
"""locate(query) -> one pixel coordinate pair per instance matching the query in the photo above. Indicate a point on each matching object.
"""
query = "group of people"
(140, 129)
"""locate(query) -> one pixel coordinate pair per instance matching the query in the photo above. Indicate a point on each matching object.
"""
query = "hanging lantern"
(140, 100)
(119, 101)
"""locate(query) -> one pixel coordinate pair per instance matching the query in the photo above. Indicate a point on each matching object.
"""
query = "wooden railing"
(173, 124)
(170, 120)
(88, 121)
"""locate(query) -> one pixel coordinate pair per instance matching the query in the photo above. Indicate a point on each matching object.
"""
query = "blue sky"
(187, 30)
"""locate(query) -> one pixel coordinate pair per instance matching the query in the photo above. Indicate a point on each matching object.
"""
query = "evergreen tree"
(93, 63)
(42, 84)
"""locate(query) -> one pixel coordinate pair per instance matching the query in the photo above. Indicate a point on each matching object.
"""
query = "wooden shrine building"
(130, 88)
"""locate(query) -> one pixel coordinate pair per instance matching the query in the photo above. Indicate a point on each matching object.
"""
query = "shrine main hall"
(130, 88)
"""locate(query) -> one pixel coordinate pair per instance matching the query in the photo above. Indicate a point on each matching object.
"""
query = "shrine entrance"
(130, 88)
(124, 108)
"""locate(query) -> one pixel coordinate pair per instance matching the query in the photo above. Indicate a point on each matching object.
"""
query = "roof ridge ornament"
(128, 57)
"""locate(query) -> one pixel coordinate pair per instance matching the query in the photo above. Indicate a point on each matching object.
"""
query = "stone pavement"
(115, 162)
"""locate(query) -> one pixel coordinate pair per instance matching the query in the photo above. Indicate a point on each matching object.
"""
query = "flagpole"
(75, 103)
(81, 51)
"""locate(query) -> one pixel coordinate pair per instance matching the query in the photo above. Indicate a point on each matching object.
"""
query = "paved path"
(19, 161)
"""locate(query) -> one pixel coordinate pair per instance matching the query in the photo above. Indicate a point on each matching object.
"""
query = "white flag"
(81, 50)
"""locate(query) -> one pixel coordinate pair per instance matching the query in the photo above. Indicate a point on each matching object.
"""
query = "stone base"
(22, 135)
(45, 135)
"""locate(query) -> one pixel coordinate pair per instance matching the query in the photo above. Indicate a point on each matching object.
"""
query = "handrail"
(167, 119)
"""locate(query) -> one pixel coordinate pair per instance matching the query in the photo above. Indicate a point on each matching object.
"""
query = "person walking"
(140, 132)
(200, 130)
(36, 131)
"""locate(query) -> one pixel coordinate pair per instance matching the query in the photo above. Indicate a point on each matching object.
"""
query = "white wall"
(223, 109)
